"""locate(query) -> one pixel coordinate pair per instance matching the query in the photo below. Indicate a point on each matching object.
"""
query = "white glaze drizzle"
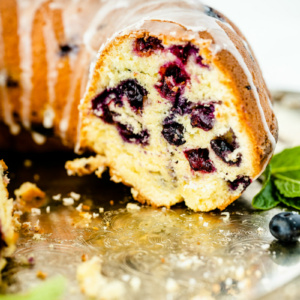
(101, 14)
(75, 26)
(77, 77)
(52, 61)
(7, 107)
(26, 14)
(38, 138)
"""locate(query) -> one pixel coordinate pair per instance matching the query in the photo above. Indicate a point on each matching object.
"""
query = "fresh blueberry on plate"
(285, 227)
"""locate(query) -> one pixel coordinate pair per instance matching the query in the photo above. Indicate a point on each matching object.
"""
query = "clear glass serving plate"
(154, 253)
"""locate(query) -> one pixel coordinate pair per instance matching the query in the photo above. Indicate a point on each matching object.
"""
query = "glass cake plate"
(154, 253)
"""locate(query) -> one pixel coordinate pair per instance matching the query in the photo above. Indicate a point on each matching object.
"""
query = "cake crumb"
(84, 257)
(36, 226)
(101, 210)
(28, 195)
(68, 201)
(265, 246)
(95, 285)
(56, 197)
(135, 283)
(227, 216)
(48, 209)
(205, 224)
(132, 206)
(85, 166)
(79, 207)
(171, 285)
(75, 196)
(111, 202)
(126, 277)
(95, 215)
(41, 275)
(35, 211)
(26, 225)
(37, 237)
(260, 230)
(86, 207)
(134, 193)
(85, 215)
(16, 222)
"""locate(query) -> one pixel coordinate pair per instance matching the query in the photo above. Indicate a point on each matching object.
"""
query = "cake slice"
(179, 114)
(7, 237)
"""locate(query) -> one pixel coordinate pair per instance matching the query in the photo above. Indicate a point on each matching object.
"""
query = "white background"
(272, 28)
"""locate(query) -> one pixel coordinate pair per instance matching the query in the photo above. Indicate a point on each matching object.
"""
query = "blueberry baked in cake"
(7, 239)
(171, 99)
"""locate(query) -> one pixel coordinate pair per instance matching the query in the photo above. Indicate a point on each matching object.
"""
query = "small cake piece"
(84, 166)
(94, 284)
(7, 236)
(29, 196)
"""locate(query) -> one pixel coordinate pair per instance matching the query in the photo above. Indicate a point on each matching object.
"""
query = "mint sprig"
(281, 181)
(266, 199)
(52, 289)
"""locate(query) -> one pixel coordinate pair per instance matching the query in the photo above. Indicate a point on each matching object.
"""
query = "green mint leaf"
(265, 199)
(286, 161)
(293, 202)
(291, 174)
(52, 289)
(288, 187)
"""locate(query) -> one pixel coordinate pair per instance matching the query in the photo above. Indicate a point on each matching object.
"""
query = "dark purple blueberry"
(66, 49)
(243, 181)
(181, 107)
(131, 91)
(199, 160)
(173, 132)
(199, 61)
(129, 136)
(224, 145)
(203, 117)
(285, 227)
(134, 92)
(184, 52)
(100, 104)
(147, 45)
(173, 80)
(212, 13)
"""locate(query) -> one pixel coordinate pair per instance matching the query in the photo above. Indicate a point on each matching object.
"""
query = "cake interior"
(7, 240)
(166, 119)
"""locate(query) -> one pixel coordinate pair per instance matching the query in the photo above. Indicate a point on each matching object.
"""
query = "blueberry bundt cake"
(173, 103)
(7, 240)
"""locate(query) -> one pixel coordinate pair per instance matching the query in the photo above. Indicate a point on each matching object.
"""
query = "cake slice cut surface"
(166, 115)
